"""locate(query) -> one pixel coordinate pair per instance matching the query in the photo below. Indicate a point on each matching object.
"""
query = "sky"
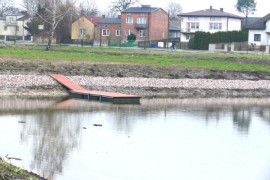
(193, 5)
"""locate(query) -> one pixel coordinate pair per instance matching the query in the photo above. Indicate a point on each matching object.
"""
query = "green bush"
(131, 37)
(201, 40)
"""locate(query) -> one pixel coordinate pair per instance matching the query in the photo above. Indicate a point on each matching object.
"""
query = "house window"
(142, 33)
(215, 26)
(82, 32)
(193, 18)
(215, 19)
(17, 28)
(11, 20)
(188, 36)
(5, 28)
(193, 25)
(118, 32)
(105, 32)
(141, 20)
(257, 37)
(128, 32)
(129, 20)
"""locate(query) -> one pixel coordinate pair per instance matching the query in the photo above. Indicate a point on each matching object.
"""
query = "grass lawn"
(142, 57)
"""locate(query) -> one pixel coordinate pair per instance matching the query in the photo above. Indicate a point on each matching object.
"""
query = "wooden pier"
(76, 91)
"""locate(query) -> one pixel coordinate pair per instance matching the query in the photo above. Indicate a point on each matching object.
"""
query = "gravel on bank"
(11, 84)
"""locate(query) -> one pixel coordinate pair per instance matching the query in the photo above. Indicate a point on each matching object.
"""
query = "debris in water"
(21, 122)
(18, 159)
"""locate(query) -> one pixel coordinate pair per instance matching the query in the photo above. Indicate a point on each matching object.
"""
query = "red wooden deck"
(70, 85)
(75, 88)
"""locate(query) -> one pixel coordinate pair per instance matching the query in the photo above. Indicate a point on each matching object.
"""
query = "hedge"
(201, 40)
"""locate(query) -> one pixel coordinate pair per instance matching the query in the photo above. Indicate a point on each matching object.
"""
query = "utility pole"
(100, 35)
(168, 29)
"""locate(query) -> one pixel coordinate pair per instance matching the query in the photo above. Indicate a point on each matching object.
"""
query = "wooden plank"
(70, 85)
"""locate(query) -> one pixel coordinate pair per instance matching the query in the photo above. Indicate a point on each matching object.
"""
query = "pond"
(206, 139)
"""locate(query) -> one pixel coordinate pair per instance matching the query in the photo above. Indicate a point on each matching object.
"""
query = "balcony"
(13, 23)
(140, 26)
(190, 31)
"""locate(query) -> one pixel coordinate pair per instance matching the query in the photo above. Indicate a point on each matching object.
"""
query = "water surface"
(168, 139)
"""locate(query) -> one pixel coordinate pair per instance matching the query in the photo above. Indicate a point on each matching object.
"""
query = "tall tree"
(120, 5)
(31, 6)
(174, 9)
(246, 7)
(53, 12)
(5, 6)
(88, 8)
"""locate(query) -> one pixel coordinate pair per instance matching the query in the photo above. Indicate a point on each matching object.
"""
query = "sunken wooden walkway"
(76, 91)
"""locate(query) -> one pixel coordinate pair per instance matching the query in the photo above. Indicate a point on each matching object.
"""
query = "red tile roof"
(93, 20)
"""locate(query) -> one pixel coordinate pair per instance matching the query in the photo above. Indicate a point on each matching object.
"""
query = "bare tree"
(5, 6)
(88, 8)
(174, 9)
(31, 6)
(53, 12)
(120, 5)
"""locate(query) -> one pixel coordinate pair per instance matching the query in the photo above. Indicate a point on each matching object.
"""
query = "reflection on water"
(54, 136)
(57, 141)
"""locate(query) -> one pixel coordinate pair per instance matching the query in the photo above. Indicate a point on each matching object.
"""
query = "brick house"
(146, 22)
(109, 29)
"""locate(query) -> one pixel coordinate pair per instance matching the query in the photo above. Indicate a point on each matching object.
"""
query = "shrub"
(131, 37)
(201, 40)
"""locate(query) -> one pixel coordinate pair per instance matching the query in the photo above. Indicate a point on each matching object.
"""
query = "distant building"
(174, 31)
(259, 31)
(250, 20)
(109, 29)
(12, 28)
(85, 28)
(146, 22)
(208, 20)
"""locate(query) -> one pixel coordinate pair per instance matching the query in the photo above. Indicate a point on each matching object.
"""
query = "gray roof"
(260, 24)
(250, 20)
(210, 13)
(23, 18)
(110, 21)
(140, 10)
(174, 28)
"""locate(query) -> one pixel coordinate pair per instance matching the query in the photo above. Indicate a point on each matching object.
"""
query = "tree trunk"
(50, 40)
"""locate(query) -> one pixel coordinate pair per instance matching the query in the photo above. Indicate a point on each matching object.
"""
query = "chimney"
(146, 6)
(211, 7)
(103, 16)
(221, 9)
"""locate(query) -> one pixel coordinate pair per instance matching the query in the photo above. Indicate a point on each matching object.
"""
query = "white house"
(12, 26)
(208, 20)
(259, 32)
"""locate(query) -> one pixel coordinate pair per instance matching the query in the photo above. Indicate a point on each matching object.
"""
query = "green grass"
(9, 171)
(162, 59)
